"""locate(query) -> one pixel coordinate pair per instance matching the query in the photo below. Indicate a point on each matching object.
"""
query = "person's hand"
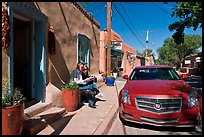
(87, 79)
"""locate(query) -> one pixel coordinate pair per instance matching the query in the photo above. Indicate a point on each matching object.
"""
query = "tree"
(190, 15)
(172, 54)
(149, 53)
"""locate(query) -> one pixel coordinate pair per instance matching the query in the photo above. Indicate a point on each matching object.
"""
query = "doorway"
(22, 56)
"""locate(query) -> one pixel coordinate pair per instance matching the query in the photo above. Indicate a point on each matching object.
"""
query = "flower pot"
(12, 120)
(110, 81)
(115, 75)
(70, 99)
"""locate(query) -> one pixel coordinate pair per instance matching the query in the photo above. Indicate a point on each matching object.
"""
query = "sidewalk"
(89, 121)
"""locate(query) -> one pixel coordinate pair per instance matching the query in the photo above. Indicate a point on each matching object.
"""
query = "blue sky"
(140, 16)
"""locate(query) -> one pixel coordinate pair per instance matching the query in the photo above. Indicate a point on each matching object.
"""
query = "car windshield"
(154, 74)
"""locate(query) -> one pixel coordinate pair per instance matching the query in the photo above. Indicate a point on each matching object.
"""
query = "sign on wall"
(187, 61)
(117, 44)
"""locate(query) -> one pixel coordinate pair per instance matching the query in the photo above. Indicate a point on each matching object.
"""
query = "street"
(136, 129)
(129, 128)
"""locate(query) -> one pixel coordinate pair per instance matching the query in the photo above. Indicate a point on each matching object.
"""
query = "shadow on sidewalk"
(58, 129)
(98, 99)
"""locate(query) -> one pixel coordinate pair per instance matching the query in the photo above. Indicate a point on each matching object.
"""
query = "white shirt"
(77, 77)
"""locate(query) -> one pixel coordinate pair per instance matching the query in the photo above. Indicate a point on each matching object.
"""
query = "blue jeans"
(91, 97)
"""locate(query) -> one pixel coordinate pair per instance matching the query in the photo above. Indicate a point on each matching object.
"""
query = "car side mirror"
(184, 76)
(125, 76)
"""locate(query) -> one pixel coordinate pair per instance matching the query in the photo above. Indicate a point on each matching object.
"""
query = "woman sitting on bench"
(92, 82)
(83, 87)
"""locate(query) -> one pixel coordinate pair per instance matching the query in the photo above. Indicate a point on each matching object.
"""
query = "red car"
(156, 95)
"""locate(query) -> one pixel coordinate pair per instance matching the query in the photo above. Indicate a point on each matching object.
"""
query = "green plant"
(110, 76)
(71, 86)
(9, 99)
(115, 70)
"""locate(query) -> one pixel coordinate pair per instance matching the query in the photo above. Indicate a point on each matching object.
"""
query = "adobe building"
(122, 55)
(192, 64)
(47, 39)
(140, 61)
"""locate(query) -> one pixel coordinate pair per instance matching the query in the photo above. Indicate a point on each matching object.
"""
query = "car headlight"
(192, 100)
(126, 97)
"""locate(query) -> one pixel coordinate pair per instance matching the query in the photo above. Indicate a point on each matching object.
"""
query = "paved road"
(136, 129)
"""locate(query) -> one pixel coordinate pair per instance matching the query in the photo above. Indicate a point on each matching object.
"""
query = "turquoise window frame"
(83, 49)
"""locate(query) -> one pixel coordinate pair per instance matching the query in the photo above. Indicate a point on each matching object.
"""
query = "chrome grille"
(159, 120)
(158, 105)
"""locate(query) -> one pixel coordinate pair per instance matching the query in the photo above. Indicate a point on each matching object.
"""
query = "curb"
(107, 122)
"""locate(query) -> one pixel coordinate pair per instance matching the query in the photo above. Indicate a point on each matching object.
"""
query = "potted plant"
(12, 110)
(110, 80)
(70, 93)
(115, 72)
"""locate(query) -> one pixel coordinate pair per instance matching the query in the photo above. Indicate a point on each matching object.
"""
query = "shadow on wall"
(58, 71)
(95, 39)
(94, 51)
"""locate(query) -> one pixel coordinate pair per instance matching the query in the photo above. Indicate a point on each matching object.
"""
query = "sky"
(131, 20)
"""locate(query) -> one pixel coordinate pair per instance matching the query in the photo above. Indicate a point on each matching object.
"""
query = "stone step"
(56, 127)
(36, 109)
(37, 123)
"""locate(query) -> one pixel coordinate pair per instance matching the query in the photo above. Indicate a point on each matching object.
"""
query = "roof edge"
(90, 17)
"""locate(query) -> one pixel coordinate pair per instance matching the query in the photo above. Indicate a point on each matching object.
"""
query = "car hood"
(157, 87)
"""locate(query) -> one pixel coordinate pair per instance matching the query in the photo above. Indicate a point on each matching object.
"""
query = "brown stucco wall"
(67, 21)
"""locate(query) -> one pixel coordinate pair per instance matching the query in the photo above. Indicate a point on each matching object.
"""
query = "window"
(154, 74)
(84, 49)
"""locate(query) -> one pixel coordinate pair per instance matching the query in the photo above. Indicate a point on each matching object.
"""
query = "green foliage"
(110, 76)
(143, 54)
(171, 53)
(189, 15)
(71, 86)
(9, 99)
(115, 70)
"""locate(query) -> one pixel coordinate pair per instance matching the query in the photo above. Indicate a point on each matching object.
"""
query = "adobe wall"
(125, 47)
(67, 21)
(127, 67)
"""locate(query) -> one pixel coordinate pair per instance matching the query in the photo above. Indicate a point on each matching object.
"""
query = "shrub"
(71, 86)
(9, 99)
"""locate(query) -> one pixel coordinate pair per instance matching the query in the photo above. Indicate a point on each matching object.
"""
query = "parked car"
(157, 95)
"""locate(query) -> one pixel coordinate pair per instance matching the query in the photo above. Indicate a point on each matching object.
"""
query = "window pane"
(83, 49)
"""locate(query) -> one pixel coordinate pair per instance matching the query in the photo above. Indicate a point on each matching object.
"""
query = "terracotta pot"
(12, 120)
(70, 99)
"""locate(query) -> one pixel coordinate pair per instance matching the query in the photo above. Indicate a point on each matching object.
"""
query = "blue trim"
(40, 61)
(11, 53)
(87, 49)
(117, 50)
(31, 12)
